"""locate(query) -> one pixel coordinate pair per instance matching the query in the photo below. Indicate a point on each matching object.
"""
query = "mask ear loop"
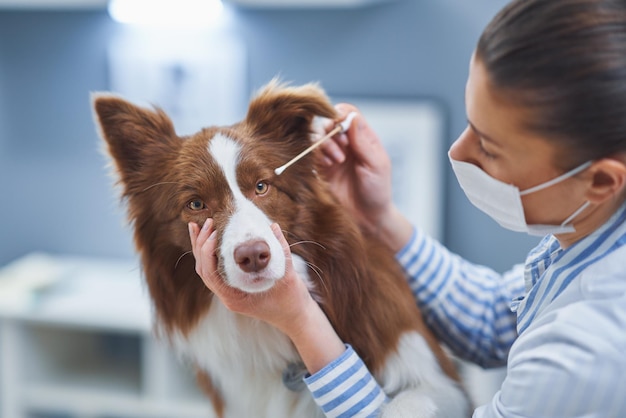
(558, 179)
(576, 213)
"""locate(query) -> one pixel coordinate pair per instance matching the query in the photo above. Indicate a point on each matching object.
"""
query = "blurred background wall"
(55, 194)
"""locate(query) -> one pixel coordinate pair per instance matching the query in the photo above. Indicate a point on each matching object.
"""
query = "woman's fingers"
(203, 248)
(278, 233)
(193, 235)
(334, 151)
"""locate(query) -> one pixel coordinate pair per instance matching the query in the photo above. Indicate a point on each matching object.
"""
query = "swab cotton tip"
(345, 124)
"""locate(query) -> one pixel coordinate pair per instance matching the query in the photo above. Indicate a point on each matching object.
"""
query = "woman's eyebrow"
(482, 135)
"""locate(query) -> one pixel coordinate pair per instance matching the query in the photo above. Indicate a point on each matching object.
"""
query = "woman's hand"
(287, 306)
(358, 169)
(280, 306)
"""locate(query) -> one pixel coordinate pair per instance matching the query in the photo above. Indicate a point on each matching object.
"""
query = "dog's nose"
(253, 256)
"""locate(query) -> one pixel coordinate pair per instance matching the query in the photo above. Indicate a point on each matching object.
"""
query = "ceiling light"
(185, 13)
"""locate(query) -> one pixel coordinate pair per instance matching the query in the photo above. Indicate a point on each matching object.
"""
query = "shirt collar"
(549, 249)
(550, 270)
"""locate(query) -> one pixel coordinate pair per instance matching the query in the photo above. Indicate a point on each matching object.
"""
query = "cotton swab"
(341, 127)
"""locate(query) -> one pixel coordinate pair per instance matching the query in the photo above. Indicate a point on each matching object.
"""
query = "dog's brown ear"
(284, 111)
(136, 137)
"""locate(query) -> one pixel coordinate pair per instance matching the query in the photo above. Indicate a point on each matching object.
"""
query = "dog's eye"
(261, 188)
(196, 204)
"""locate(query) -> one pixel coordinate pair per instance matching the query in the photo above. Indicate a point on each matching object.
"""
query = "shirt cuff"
(345, 387)
(407, 249)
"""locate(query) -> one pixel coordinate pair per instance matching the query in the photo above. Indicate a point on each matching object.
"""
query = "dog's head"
(225, 173)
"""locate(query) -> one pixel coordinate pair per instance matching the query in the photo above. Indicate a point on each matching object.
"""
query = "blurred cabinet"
(79, 344)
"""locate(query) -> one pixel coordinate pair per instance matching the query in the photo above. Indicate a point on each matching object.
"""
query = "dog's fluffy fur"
(226, 173)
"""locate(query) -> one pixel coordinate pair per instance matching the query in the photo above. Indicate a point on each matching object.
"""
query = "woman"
(544, 152)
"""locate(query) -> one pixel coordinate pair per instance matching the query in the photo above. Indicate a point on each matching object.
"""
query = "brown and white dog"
(227, 173)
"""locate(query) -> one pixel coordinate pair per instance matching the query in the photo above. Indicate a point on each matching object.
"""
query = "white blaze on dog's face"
(253, 259)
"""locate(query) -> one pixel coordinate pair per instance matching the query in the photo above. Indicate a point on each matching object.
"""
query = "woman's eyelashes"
(483, 151)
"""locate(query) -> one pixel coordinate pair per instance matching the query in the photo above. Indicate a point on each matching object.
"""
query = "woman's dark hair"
(565, 61)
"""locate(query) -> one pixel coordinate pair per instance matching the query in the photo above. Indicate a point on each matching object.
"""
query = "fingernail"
(213, 235)
(206, 224)
(190, 226)
(339, 156)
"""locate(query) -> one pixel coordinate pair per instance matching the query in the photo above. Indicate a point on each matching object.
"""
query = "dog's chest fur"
(248, 358)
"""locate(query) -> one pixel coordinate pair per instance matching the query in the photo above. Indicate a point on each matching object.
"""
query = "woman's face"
(497, 141)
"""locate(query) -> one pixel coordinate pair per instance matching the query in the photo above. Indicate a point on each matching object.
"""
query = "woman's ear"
(608, 179)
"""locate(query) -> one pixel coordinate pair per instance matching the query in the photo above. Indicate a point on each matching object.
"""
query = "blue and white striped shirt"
(567, 306)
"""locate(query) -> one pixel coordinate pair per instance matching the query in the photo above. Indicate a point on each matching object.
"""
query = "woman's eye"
(484, 151)
(196, 204)
(261, 188)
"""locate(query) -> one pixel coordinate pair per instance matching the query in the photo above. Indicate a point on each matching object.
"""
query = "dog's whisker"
(313, 267)
(300, 241)
(180, 258)
(160, 184)
(318, 272)
(285, 232)
(307, 242)
(220, 271)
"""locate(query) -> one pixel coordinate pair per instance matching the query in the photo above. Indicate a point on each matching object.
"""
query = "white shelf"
(80, 344)
(96, 402)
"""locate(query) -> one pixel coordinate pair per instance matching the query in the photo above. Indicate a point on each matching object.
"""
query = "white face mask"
(503, 202)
